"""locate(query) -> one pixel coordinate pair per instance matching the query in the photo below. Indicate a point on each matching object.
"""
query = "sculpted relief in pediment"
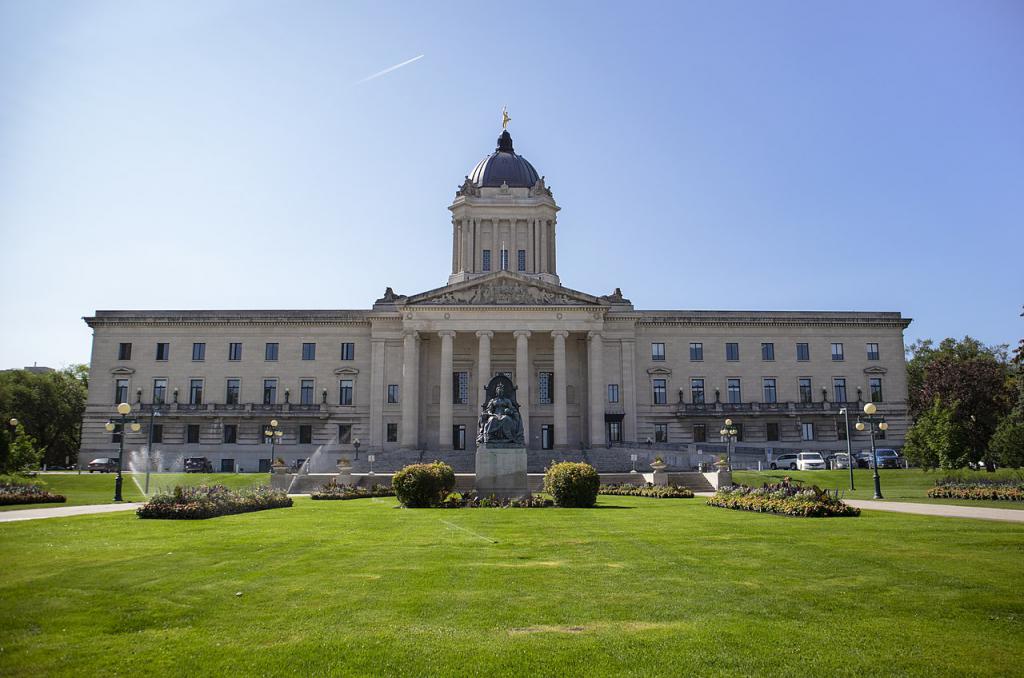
(503, 292)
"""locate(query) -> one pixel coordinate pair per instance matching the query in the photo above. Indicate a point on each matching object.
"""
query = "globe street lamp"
(873, 420)
(274, 435)
(124, 409)
(849, 452)
(728, 434)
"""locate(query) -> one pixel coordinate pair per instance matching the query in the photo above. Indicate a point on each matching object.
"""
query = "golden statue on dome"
(505, 119)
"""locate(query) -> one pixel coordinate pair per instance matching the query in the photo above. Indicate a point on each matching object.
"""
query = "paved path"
(946, 510)
(65, 511)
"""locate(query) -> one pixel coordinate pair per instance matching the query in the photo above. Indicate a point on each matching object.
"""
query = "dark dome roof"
(504, 166)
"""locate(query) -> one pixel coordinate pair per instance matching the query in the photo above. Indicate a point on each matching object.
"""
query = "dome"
(504, 166)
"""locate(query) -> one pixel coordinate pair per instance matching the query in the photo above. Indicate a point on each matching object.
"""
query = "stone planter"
(279, 469)
(660, 476)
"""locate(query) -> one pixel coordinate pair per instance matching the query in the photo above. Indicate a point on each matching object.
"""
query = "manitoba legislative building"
(597, 379)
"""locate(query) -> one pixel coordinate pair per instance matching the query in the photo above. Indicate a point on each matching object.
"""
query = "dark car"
(103, 465)
(888, 458)
(198, 465)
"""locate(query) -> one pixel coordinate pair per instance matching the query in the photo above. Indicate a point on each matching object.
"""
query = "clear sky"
(706, 155)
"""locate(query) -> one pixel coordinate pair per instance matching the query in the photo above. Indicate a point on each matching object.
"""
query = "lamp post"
(873, 420)
(274, 435)
(370, 458)
(356, 443)
(728, 433)
(124, 409)
(849, 452)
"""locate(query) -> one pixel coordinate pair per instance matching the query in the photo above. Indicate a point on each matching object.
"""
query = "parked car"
(810, 461)
(862, 459)
(889, 458)
(198, 465)
(841, 460)
(103, 465)
(787, 460)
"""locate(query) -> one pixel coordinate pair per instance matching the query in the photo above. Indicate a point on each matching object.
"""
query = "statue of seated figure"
(500, 421)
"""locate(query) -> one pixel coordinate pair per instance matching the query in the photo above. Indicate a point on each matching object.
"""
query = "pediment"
(504, 288)
(875, 370)
(346, 370)
(122, 370)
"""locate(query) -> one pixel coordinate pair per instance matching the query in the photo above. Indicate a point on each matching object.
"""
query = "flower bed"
(648, 490)
(210, 501)
(979, 488)
(470, 500)
(333, 490)
(17, 493)
(783, 498)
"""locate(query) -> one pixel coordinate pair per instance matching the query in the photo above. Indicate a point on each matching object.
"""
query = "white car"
(810, 461)
(842, 460)
(788, 460)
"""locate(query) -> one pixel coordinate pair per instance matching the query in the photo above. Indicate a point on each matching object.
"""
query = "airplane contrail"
(388, 70)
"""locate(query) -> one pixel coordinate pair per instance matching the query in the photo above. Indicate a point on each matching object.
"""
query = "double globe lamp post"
(870, 420)
(124, 409)
(729, 434)
(274, 434)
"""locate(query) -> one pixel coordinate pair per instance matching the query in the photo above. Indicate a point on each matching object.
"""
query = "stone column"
(483, 365)
(561, 417)
(629, 388)
(410, 390)
(542, 233)
(595, 375)
(444, 439)
(523, 379)
(377, 395)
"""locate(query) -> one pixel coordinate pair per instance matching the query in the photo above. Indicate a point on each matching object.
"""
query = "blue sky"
(726, 155)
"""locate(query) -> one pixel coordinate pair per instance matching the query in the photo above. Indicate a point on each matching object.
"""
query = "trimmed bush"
(423, 485)
(783, 498)
(572, 484)
(27, 493)
(332, 490)
(999, 489)
(471, 500)
(648, 490)
(210, 501)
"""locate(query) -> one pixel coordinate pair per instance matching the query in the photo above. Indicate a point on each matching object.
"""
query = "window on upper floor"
(270, 352)
(733, 389)
(163, 351)
(661, 433)
(306, 392)
(233, 391)
(235, 350)
(348, 351)
(460, 388)
(230, 433)
(803, 352)
(732, 351)
(767, 351)
(613, 393)
(696, 351)
(521, 260)
(309, 351)
(545, 388)
(875, 388)
(120, 391)
(344, 434)
(124, 351)
(198, 351)
(872, 351)
(768, 386)
(657, 351)
(697, 391)
(839, 389)
(837, 351)
(195, 392)
(660, 391)
(806, 394)
(269, 391)
(392, 393)
(486, 260)
(159, 391)
(392, 433)
(345, 395)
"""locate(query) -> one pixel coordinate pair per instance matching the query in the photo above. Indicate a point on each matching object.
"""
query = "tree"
(1007, 443)
(49, 406)
(20, 454)
(936, 440)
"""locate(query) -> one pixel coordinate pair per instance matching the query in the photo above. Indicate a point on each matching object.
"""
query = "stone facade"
(408, 374)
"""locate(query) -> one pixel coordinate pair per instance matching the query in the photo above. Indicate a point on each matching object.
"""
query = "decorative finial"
(505, 119)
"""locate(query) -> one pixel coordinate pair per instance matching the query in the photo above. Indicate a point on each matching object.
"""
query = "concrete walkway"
(945, 510)
(65, 511)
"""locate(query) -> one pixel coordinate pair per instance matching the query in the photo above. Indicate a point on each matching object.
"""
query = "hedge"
(210, 501)
(16, 493)
(423, 485)
(333, 490)
(783, 498)
(655, 491)
(572, 484)
(977, 491)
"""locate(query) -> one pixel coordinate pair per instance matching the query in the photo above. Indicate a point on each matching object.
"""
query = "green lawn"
(98, 488)
(638, 587)
(897, 484)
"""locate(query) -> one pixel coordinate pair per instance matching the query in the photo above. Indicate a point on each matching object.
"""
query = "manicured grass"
(98, 488)
(638, 587)
(897, 484)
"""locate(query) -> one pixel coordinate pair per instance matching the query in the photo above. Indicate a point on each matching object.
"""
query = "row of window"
(769, 390)
(520, 260)
(270, 351)
(229, 433)
(732, 351)
(700, 432)
(233, 389)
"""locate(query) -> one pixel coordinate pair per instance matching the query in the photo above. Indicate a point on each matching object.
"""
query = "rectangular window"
(733, 388)
(771, 431)
(158, 433)
(198, 351)
(306, 391)
(235, 351)
(661, 433)
(697, 351)
(700, 433)
(657, 351)
(115, 436)
(547, 437)
(875, 388)
(807, 431)
(392, 393)
(348, 351)
(458, 437)
(460, 388)
(344, 434)
(841, 432)
(305, 434)
(392, 434)
(504, 260)
(192, 433)
(124, 351)
(739, 432)
(732, 352)
(487, 260)
(872, 351)
(660, 392)
(230, 433)
(613, 393)
(234, 391)
(806, 395)
(545, 388)
(120, 391)
(522, 260)
(767, 351)
(309, 351)
(768, 386)
(345, 392)
(163, 351)
(270, 352)
(269, 391)
(697, 391)
(803, 352)
(159, 391)
(839, 389)
(837, 351)
(614, 431)
(195, 392)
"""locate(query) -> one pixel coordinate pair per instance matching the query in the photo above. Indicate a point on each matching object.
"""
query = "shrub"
(1007, 443)
(648, 490)
(471, 500)
(572, 484)
(423, 485)
(332, 490)
(27, 493)
(783, 498)
(210, 501)
(1004, 488)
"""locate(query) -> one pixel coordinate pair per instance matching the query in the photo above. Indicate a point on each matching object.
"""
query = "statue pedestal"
(501, 472)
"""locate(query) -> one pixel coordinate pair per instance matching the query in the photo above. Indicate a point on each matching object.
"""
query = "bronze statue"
(500, 422)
